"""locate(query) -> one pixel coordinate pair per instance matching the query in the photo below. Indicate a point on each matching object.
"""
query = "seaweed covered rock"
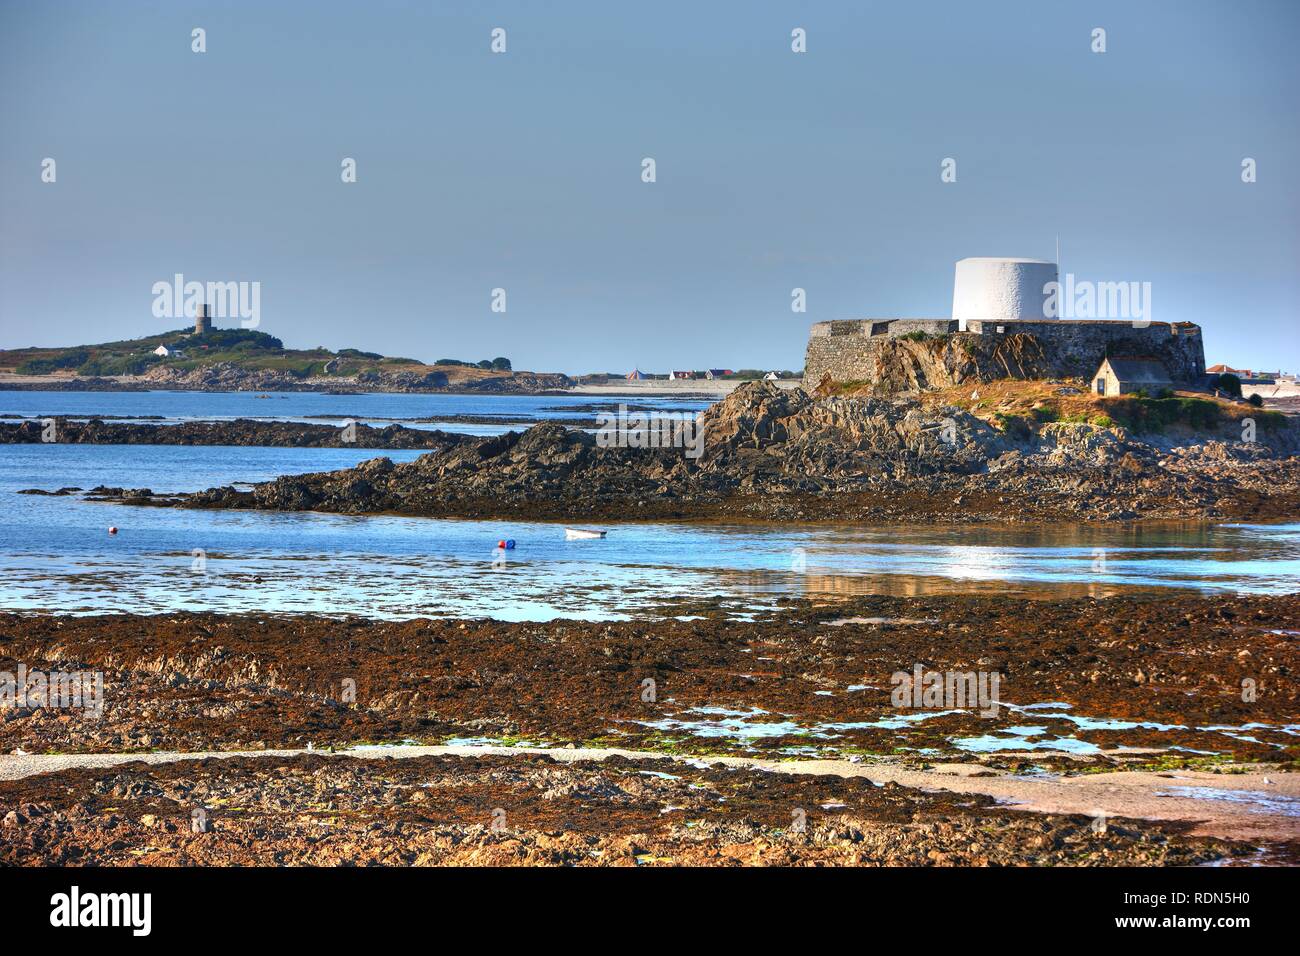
(772, 454)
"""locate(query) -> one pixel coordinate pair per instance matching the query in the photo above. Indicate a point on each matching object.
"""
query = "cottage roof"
(1141, 371)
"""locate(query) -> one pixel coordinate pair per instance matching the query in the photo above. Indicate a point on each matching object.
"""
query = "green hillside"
(245, 348)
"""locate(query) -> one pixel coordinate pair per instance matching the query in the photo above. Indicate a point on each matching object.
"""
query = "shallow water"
(55, 553)
(742, 725)
(1258, 801)
(993, 743)
(757, 724)
(377, 409)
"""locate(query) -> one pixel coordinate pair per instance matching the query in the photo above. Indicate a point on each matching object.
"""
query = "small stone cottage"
(1119, 376)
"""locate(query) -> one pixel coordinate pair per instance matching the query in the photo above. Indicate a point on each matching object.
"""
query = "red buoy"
(501, 544)
(112, 529)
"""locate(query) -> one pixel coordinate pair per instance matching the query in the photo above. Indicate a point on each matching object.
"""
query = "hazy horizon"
(523, 170)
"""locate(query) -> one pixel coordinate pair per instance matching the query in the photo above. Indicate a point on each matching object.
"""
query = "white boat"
(574, 534)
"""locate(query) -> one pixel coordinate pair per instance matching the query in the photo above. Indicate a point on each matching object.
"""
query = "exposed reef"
(770, 454)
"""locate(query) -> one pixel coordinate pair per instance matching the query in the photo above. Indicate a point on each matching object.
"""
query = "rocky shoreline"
(228, 377)
(142, 430)
(241, 431)
(774, 455)
(206, 681)
(313, 810)
(1146, 684)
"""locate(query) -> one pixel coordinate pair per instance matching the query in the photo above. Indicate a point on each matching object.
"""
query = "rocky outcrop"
(525, 382)
(228, 377)
(902, 365)
(241, 431)
(779, 455)
(221, 377)
(889, 357)
(890, 366)
(48, 383)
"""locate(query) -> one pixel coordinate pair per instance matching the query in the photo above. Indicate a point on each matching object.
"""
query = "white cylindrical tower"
(1001, 289)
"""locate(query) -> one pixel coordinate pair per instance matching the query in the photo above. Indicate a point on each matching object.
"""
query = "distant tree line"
(231, 338)
(499, 363)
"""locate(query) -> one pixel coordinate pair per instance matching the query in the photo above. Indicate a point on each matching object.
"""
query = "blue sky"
(522, 170)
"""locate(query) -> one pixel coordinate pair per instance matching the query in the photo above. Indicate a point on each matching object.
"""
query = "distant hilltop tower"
(1001, 290)
(203, 321)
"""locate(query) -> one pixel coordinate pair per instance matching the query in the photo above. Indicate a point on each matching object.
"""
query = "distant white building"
(162, 350)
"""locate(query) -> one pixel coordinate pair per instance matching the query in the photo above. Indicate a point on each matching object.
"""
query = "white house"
(162, 350)
(1120, 376)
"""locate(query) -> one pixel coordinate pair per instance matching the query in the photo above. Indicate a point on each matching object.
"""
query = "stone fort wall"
(858, 349)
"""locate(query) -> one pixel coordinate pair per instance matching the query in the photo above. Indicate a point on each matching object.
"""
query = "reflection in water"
(405, 567)
(372, 408)
(55, 553)
(1255, 800)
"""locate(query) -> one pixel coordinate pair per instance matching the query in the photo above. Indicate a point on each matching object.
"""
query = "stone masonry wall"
(862, 349)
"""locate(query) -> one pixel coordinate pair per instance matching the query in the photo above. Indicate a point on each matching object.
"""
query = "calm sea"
(56, 554)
